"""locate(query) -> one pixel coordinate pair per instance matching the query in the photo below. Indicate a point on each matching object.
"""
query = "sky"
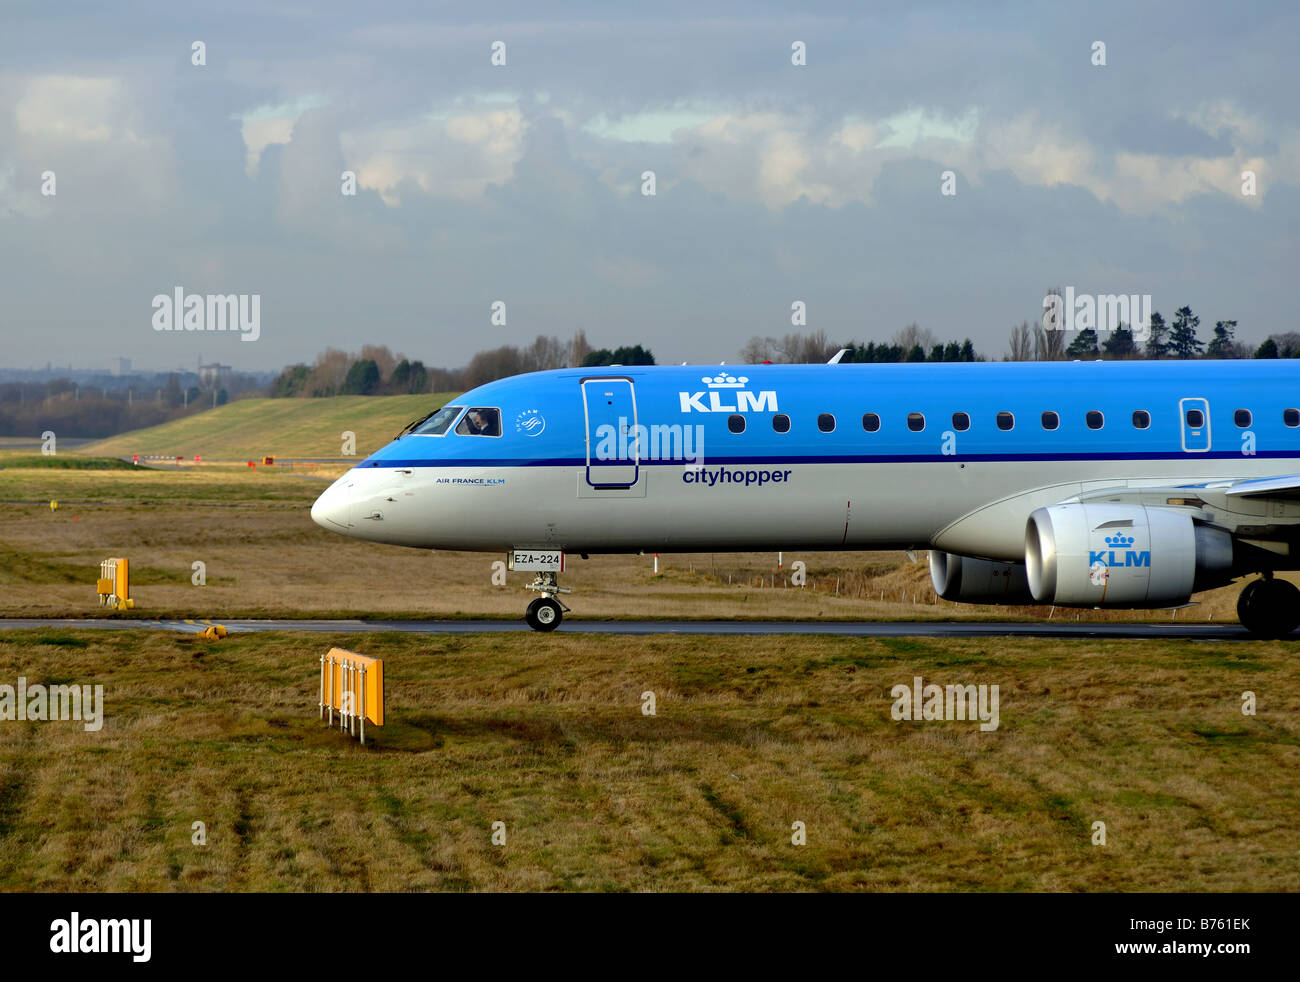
(523, 183)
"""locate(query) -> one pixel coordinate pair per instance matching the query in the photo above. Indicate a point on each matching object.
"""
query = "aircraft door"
(1194, 422)
(613, 451)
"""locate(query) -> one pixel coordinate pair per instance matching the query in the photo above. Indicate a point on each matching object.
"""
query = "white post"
(363, 705)
(330, 698)
(322, 686)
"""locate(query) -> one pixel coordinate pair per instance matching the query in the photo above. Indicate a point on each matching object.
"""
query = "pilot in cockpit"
(481, 422)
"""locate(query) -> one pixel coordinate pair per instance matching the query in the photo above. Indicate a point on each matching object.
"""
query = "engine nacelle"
(978, 581)
(1110, 555)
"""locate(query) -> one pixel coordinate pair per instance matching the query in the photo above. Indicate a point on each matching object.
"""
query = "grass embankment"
(546, 734)
(250, 429)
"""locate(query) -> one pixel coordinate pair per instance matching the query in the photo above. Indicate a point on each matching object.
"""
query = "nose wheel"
(1269, 608)
(546, 612)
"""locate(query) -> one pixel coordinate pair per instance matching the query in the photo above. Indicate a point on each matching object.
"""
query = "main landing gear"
(546, 612)
(1269, 608)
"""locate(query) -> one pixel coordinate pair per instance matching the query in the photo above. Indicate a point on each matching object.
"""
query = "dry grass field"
(265, 557)
(546, 734)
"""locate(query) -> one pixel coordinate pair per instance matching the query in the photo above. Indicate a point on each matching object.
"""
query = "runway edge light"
(114, 584)
(353, 686)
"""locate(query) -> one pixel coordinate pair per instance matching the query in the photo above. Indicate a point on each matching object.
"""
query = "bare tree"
(328, 372)
(488, 366)
(758, 350)
(1022, 342)
(1048, 345)
(579, 349)
(545, 354)
(384, 359)
(912, 335)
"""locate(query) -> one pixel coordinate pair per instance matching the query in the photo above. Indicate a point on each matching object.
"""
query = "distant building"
(214, 376)
(120, 367)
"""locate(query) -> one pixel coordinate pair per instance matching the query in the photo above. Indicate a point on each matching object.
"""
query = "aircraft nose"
(332, 509)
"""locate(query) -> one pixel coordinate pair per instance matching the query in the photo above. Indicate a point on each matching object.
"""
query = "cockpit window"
(480, 422)
(436, 423)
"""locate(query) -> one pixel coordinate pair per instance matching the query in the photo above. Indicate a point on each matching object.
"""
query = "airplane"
(1107, 484)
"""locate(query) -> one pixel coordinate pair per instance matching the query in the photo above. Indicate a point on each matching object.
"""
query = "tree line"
(1176, 339)
(86, 410)
(911, 344)
(375, 370)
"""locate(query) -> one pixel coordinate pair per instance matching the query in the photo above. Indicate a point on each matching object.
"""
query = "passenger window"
(736, 423)
(1291, 417)
(1050, 420)
(1006, 421)
(1095, 420)
(915, 422)
(826, 423)
(871, 422)
(480, 421)
(1141, 419)
(781, 423)
(1241, 417)
(960, 421)
(1195, 418)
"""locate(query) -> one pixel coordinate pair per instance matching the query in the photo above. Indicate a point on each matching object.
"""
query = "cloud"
(72, 109)
(267, 124)
(451, 154)
(106, 151)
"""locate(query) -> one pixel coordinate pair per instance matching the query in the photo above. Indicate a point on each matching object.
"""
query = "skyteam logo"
(731, 389)
(1118, 553)
(530, 422)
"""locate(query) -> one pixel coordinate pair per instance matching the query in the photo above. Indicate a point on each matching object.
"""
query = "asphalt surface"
(863, 629)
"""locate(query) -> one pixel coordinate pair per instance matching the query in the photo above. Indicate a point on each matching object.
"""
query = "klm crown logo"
(725, 381)
(1119, 541)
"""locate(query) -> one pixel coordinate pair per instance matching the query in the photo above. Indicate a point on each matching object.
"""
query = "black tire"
(544, 614)
(1269, 608)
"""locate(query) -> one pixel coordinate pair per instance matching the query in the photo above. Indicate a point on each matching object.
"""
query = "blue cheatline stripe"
(779, 459)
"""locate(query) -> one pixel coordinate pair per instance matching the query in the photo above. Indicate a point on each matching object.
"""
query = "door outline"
(636, 443)
(1194, 402)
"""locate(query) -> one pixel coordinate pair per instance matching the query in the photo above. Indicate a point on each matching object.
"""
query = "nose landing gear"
(1269, 608)
(546, 612)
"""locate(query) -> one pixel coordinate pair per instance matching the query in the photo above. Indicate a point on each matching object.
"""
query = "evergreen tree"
(1120, 344)
(1222, 346)
(1084, 344)
(1157, 344)
(1183, 342)
(362, 378)
(1267, 350)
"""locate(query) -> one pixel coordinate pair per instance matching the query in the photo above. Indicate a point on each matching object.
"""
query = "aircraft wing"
(1286, 486)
